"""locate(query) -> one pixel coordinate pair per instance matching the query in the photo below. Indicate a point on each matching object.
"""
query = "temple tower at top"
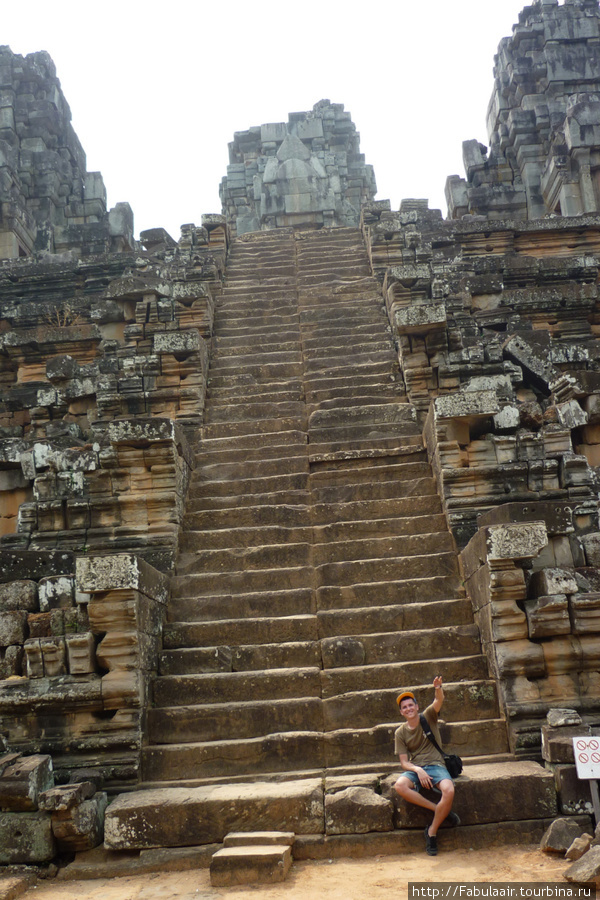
(306, 172)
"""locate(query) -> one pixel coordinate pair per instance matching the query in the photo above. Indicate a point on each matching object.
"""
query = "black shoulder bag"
(453, 763)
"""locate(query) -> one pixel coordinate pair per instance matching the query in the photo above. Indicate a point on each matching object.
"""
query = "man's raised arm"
(439, 693)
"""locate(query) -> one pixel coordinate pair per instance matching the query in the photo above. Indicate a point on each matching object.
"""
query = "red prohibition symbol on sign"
(581, 745)
(583, 757)
(596, 757)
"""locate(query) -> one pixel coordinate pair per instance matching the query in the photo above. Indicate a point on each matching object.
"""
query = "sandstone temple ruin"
(255, 480)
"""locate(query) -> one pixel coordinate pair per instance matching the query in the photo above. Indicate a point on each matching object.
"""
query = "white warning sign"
(587, 756)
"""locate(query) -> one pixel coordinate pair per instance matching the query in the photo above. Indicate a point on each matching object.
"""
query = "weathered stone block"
(512, 791)
(560, 835)
(19, 595)
(26, 838)
(552, 581)
(80, 827)
(54, 656)
(34, 660)
(343, 651)
(250, 865)
(574, 795)
(557, 743)
(357, 810)
(119, 572)
(182, 816)
(548, 616)
(13, 627)
(516, 541)
(56, 592)
(59, 799)
(585, 613)
(591, 547)
(81, 653)
(22, 782)
(586, 869)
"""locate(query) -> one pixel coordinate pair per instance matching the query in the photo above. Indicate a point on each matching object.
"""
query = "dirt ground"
(365, 879)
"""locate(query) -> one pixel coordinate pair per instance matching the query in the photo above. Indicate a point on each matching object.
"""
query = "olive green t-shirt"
(416, 744)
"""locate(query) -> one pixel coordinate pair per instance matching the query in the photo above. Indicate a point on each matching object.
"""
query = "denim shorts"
(436, 773)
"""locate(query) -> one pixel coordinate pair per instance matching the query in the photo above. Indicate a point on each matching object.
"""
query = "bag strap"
(429, 733)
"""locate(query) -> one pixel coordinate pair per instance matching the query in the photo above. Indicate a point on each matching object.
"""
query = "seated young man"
(423, 765)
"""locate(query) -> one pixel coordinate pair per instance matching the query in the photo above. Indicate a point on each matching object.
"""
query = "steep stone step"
(390, 569)
(239, 343)
(235, 559)
(382, 682)
(283, 629)
(215, 448)
(355, 432)
(375, 649)
(261, 360)
(239, 501)
(345, 402)
(283, 514)
(281, 751)
(237, 394)
(254, 427)
(208, 608)
(325, 365)
(229, 322)
(382, 547)
(243, 412)
(341, 348)
(323, 336)
(368, 470)
(242, 658)
(375, 528)
(224, 348)
(192, 724)
(388, 593)
(349, 448)
(465, 701)
(183, 690)
(344, 510)
(379, 490)
(251, 468)
(246, 582)
(398, 618)
(245, 486)
(229, 538)
(319, 390)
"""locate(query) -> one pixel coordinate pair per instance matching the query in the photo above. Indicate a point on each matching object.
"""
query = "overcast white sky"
(157, 89)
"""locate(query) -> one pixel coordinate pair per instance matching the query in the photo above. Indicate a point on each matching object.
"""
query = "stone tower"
(543, 121)
(306, 173)
(48, 199)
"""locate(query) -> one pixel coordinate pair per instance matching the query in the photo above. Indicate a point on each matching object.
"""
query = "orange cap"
(404, 695)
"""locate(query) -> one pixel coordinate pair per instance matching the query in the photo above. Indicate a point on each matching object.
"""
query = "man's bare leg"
(443, 806)
(404, 787)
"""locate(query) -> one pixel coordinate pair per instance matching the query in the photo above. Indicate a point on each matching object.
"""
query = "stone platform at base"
(508, 792)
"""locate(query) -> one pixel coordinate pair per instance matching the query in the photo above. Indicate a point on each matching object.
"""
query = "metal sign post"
(587, 760)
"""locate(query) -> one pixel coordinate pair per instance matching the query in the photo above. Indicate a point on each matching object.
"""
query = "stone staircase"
(316, 574)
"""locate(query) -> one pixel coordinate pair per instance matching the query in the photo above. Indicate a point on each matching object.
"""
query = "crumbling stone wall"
(104, 346)
(496, 327)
